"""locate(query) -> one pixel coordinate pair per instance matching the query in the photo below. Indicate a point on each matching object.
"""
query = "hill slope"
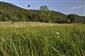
(12, 12)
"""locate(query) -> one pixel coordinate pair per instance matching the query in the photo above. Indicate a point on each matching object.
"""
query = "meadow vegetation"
(42, 39)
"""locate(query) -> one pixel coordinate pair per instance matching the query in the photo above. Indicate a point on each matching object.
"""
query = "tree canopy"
(44, 8)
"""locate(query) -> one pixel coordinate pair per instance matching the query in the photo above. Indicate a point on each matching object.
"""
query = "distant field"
(33, 24)
(24, 24)
(41, 39)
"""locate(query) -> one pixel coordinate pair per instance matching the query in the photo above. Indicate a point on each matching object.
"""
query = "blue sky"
(65, 6)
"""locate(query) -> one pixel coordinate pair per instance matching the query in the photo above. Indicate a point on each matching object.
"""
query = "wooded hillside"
(10, 12)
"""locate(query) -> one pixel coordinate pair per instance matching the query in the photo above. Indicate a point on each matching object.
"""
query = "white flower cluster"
(58, 34)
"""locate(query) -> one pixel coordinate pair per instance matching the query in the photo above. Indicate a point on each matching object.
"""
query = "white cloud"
(76, 10)
(1, 0)
(73, 8)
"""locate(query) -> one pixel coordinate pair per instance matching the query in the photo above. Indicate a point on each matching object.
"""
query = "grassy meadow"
(42, 39)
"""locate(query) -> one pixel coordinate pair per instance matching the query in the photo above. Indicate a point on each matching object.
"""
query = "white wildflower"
(57, 33)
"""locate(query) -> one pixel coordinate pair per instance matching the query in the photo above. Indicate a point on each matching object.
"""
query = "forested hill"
(10, 12)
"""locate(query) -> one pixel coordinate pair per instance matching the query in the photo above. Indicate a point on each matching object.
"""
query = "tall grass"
(58, 40)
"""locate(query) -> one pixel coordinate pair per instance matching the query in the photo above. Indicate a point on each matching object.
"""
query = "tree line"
(42, 16)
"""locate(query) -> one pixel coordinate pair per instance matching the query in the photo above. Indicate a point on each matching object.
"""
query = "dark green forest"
(10, 12)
